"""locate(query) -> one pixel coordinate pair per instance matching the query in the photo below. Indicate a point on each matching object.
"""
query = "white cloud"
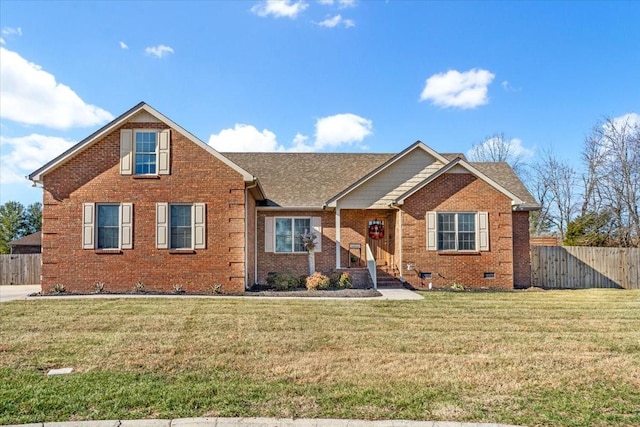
(512, 149)
(341, 3)
(2, 41)
(279, 8)
(335, 21)
(245, 138)
(339, 129)
(159, 51)
(30, 95)
(123, 45)
(331, 132)
(27, 153)
(630, 119)
(8, 31)
(520, 150)
(460, 90)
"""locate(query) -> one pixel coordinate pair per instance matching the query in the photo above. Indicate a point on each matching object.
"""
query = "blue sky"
(315, 75)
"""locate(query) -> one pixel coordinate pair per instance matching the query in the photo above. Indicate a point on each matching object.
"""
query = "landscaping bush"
(317, 281)
(345, 281)
(283, 281)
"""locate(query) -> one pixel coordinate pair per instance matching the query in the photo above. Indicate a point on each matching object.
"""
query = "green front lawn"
(557, 358)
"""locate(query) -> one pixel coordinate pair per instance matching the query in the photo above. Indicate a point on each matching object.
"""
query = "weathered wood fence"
(20, 269)
(580, 267)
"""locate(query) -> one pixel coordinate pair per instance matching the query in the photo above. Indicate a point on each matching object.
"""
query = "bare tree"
(554, 184)
(498, 148)
(612, 178)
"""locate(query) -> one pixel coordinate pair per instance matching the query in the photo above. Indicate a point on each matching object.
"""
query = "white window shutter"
(316, 227)
(164, 150)
(432, 231)
(162, 225)
(199, 225)
(483, 231)
(268, 234)
(126, 226)
(88, 226)
(126, 151)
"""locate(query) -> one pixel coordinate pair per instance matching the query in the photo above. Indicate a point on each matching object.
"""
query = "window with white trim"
(107, 226)
(282, 234)
(108, 220)
(288, 233)
(180, 226)
(145, 152)
(457, 231)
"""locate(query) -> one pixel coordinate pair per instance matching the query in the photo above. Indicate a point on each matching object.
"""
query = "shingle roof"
(306, 179)
(502, 173)
(311, 179)
(34, 239)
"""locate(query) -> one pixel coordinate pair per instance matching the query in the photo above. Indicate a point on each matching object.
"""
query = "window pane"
(446, 232)
(108, 226)
(180, 226)
(284, 237)
(466, 232)
(283, 243)
(466, 241)
(467, 222)
(446, 222)
(302, 225)
(446, 241)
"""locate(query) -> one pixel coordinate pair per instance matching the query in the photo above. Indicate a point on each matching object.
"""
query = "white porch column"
(337, 224)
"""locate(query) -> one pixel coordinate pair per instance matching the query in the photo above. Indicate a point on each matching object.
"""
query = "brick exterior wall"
(94, 176)
(297, 263)
(521, 250)
(454, 192)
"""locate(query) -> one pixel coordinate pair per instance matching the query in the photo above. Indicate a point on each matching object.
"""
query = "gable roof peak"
(37, 175)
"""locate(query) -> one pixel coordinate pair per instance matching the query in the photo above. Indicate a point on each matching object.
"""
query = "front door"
(378, 240)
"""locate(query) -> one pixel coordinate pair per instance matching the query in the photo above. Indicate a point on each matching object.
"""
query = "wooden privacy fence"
(581, 267)
(20, 269)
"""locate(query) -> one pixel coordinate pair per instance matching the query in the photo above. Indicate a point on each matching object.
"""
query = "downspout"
(246, 234)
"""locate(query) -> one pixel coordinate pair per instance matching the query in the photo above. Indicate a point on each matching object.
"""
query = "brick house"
(143, 200)
(29, 244)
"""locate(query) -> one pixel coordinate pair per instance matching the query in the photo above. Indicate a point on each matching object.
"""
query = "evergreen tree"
(12, 224)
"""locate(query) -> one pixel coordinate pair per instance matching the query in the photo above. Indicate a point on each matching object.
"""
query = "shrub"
(282, 281)
(345, 281)
(214, 289)
(98, 287)
(58, 288)
(317, 281)
(457, 286)
(341, 280)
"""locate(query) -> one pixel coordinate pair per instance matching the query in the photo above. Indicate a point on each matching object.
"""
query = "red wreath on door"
(376, 231)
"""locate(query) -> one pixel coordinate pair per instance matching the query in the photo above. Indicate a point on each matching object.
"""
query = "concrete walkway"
(261, 422)
(22, 292)
(16, 292)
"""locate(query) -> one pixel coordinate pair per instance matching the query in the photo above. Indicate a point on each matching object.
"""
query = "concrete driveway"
(16, 292)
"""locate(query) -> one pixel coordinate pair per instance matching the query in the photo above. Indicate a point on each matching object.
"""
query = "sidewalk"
(22, 292)
(260, 422)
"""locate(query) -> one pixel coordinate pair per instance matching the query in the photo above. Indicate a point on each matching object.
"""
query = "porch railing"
(371, 266)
